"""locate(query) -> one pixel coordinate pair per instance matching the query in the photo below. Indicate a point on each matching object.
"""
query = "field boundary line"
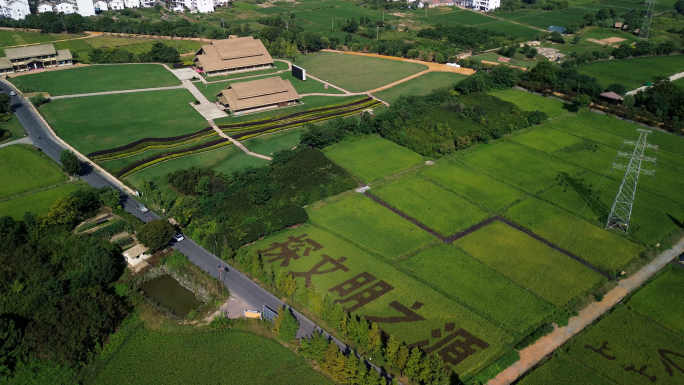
(35, 190)
(117, 92)
(533, 354)
(237, 142)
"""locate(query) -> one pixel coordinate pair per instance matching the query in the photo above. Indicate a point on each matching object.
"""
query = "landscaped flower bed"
(145, 144)
(152, 160)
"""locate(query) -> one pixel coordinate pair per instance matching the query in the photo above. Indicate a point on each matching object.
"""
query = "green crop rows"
(661, 300)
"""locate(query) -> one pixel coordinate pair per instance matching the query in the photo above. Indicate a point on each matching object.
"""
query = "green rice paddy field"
(553, 180)
(633, 73)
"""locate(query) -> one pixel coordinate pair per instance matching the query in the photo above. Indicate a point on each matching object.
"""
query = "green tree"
(413, 364)
(439, 58)
(286, 283)
(581, 100)
(392, 350)
(330, 357)
(61, 213)
(5, 104)
(70, 162)
(337, 371)
(351, 367)
(617, 88)
(576, 39)
(257, 264)
(679, 7)
(10, 345)
(374, 340)
(402, 357)
(109, 197)
(156, 234)
(288, 325)
(361, 371)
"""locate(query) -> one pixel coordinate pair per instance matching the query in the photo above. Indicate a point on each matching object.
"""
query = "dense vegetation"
(439, 123)
(159, 53)
(57, 304)
(227, 211)
(466, 37)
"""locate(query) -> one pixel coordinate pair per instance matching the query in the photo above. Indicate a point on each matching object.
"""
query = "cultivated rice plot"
(531, 102)
(371, 225)
(564, 370)
(542, 270)
(525, 168)
(461, 277)
(108, 121)
(38, 202)
(373, 158)
(510, 29)
(633, 72)
(473, 185)
(342, 70)
(101, 78)
(24, 169)
(422, 85)
(439, 209)
(661, 300)
(369, 287)
(462, 17)
(626, 340)
(546, 139)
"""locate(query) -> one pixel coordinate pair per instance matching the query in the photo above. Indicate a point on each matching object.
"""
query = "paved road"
(239, 285)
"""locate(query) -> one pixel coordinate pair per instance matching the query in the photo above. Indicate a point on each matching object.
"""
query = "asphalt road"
(239, 285)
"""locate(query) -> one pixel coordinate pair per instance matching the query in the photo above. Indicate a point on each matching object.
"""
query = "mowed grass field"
(531, 102)
(422, 85)
(373, 158)
(102, 122)
(24, 169)
(14, 127)
(201, 358)
(100, 78)
(429, 309)
(633, 72)
(357, 73)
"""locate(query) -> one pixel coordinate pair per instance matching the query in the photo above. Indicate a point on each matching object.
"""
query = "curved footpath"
(239, 285)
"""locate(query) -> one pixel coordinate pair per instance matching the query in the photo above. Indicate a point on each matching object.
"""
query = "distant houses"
(34, 57)
(477, 5)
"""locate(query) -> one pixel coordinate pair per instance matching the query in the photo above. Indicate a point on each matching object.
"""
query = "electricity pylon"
(646, 25)
(622, 207)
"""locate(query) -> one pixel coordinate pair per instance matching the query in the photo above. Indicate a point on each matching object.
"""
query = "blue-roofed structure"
(553, 28)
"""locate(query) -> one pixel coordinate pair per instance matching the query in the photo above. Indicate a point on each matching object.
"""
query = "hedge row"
(153, 146)
(153, 140)
(152, 160)
(252, 133)
(245, 125)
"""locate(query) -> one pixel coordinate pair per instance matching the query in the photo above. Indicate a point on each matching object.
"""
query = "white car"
(178, 237)
(142, 208)
(12, 93)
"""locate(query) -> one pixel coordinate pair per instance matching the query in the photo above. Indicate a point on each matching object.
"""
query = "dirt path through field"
(532, 355)
(90, 34)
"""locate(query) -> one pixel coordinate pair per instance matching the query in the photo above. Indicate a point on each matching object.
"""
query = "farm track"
(452, 238)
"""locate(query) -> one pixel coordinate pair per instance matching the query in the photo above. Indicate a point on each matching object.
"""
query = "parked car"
(142, 208)
(13, 93)
(178, 237)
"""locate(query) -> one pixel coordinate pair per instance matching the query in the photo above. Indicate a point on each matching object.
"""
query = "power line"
(621, 211)
(646, 25)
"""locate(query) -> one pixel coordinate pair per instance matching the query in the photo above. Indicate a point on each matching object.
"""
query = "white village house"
(14, 9)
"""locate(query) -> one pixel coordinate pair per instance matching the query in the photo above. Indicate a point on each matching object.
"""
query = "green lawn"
(38, 202)
(564, 370)
(531, 102)
(546, 139)
(427, 309)
(422, 85)
(102, 122)
(366, 223)
(225, 159)
(14, 127)
(24, 169)
(100, 78)
(270, 143)
(465, 279)
(661, 300)
(471, 184)
(525, 168)
(344, 70)
(439, 209)
(634, 72)
(633, 340)
(201, 358)
(372, 158)
(546, 272)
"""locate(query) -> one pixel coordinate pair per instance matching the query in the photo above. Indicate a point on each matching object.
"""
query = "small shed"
(136, 252)
(618, 25)
(554, 28)
(612, 97)
(504, 59)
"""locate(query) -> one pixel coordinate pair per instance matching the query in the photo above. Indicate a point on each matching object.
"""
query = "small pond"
(166, 291)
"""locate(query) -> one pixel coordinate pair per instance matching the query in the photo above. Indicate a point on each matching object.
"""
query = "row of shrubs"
(312, 112)
(143, 144)
(152, 160)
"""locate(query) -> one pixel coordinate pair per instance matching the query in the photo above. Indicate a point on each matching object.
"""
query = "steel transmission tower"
(622, 207)
(646, 25)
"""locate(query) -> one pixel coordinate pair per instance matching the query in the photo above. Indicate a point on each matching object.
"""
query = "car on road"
(13, 93)
(142, 208)
(178, 237)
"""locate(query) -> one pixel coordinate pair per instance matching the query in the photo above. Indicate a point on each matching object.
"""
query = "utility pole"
(621, 211)
(377, 31)
(332, 23)
(646, 25)
(223, 24)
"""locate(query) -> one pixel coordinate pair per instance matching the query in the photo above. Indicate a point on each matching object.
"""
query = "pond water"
(166, 291)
